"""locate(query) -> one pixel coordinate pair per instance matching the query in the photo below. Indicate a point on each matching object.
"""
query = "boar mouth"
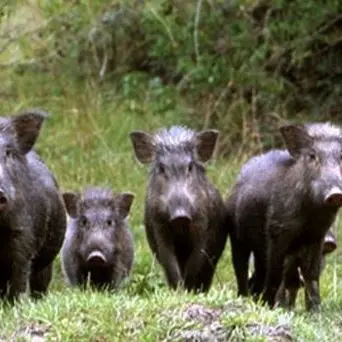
(334, 197)
(96, 259)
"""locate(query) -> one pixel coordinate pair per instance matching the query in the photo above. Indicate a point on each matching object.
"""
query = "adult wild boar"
(285, 201)
(184, 212)
(32, 213)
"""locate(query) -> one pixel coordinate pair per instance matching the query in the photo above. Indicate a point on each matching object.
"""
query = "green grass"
(85, 141)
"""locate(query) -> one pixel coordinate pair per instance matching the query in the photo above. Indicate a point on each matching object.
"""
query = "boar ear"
(205, 144)
(70, 201)
(329, 244)
(143, 146)
(27, 127)
(124, 202)
(296, 138)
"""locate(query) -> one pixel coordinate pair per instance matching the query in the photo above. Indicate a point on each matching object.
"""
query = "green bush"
(243, 66)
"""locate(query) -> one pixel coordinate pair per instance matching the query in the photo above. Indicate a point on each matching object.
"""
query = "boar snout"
(180, 218)
(334, 197)
(180, 207)
(330, 243)
(96, 259)
(3, 200)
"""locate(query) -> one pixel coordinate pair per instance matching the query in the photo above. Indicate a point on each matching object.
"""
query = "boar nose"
(180, 218)
(3, 200)
(96, 259)
(334, 197)
(329, 244)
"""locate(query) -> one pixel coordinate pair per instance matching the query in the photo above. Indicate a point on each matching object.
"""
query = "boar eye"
(8, 152)
(312, 156)
(83, 221)
(109, 222)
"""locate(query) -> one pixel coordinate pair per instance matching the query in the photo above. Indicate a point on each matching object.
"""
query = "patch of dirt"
(200, 313)
(234, 307)
(279, 333)
(210, 328)
(214, 332)
(35, 332)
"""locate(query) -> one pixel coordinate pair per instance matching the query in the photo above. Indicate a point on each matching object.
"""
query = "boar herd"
(279, 212)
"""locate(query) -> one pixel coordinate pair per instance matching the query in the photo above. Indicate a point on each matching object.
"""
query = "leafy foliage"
(241, 66)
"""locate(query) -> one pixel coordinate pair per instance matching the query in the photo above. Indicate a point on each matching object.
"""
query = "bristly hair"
(4, 121)
(97, 196)
(6, 125)
(261, 165)
(175, 139)
(324, 131)
(7, 128)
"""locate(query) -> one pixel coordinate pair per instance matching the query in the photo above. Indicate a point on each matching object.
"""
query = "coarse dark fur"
(184, 212)
(281, 204)
(32, 213)
(98, 224)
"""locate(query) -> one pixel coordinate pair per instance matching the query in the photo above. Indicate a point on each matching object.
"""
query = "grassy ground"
(85, 141)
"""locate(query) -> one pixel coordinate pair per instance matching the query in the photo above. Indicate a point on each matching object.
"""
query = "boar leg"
(310, 268)
(281, 295)
(240, 258)
(20, 276)
(199, 271)
(257, 285)
(169, 262)
(275, 267)
(3, 284)
(167, 258)
(40, 280)
(291, 283)
(78, 278)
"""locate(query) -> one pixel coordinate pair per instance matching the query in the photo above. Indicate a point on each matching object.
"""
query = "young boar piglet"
(98, 242)
(284, 201)
(184, 212)
(32, 213)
